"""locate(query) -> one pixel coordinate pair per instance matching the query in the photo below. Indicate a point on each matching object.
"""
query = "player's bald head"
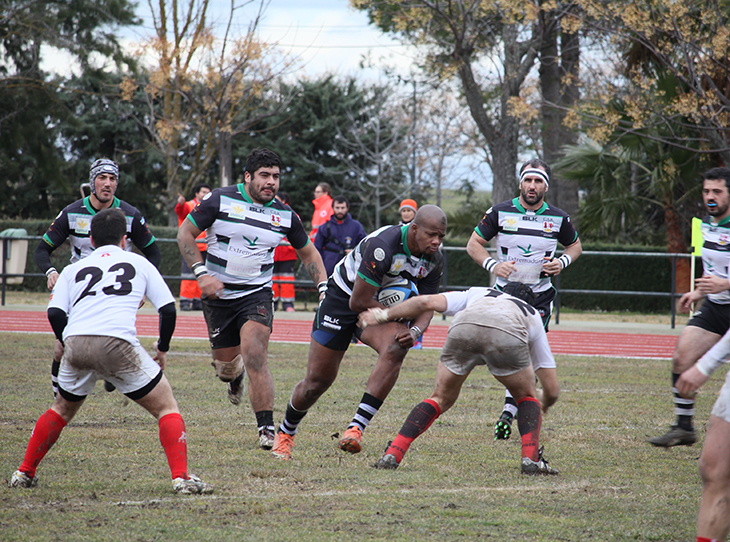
(430, 215)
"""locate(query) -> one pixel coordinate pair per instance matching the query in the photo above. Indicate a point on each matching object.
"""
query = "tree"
(373, 150)
(341, 132)
(677, 78)
(36, 174)
(202, 92)
(457, 35)
(634, 188)
(445, 138)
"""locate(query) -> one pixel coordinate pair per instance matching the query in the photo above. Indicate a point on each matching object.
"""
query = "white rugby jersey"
(716, 253)
(493, 308)
(102, 292)
(526, 237)
(242, 236)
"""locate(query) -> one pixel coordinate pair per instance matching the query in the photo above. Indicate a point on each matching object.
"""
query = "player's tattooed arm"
(186, 242)
(312, 261)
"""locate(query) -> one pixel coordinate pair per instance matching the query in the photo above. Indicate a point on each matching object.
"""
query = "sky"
(327, 36)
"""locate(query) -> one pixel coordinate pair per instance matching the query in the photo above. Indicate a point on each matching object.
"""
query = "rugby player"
(712, 320)
(499, 329)
(244, 224)
(74, 222)
(92, 311)
(527, 231)
(409, 251)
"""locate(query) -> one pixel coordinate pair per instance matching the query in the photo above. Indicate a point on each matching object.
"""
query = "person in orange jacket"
(284, 259)
(322, 207)
(189, 289)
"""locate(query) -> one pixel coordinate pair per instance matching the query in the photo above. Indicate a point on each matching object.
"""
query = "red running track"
(584, 343)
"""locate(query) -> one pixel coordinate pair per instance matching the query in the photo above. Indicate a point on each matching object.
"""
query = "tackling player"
(527, 230)
(490, 327)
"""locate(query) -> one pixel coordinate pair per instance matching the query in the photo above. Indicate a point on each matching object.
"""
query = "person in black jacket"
(339, 235)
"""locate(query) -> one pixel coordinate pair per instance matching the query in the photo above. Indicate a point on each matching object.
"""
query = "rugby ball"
(396, 292)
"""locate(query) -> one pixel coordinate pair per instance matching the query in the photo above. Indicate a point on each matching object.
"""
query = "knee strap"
(228, 371)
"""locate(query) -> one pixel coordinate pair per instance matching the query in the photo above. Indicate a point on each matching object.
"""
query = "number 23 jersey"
(102, 292)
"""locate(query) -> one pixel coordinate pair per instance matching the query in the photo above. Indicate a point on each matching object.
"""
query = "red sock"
(45, 434)
(175, 442)
(529, 419)
(420, 419)
(703, 539)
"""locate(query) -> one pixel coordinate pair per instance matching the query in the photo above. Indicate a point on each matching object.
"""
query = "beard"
(531, 199)
(718, 210)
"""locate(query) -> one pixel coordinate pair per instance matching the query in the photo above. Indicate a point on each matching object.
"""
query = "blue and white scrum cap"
(535, 172)
(102, 165)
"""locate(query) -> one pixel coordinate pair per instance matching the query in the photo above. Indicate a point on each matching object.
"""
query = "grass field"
(107, 478)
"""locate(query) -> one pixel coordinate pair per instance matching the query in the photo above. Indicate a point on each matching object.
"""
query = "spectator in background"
(339, 235)
(322, 207)
(408, 208)
(284, 259)
(189, 289)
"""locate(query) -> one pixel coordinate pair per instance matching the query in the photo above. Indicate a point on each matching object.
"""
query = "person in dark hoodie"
(339, 235)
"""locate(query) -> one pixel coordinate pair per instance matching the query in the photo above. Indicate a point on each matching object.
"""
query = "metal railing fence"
(671, 295)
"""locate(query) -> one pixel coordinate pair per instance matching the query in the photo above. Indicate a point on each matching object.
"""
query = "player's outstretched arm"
(407, 310)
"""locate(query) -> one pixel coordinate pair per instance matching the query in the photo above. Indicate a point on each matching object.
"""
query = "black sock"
(368, 407)
(265, 420)
(291, 420)
(684, 408)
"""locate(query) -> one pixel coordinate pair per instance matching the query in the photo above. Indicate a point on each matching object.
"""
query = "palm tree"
(634, 185)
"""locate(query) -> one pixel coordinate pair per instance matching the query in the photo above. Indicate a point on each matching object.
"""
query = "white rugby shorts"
(88, 358)
(468, 345)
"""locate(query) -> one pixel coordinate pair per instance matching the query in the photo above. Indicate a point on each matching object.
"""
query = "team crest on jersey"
(399, 263)
(276, 220)
(723, 240)
(237, 211)
(548, 226)
(379, 254)
(510, 224)
(82, 225)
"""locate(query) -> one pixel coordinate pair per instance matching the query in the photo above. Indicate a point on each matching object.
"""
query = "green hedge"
(593, 272)
(589, 272)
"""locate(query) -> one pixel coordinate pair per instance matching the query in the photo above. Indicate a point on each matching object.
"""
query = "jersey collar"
(404, 239)
(90, 208)
(520, 208)
(722, 222)
(247, 198)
